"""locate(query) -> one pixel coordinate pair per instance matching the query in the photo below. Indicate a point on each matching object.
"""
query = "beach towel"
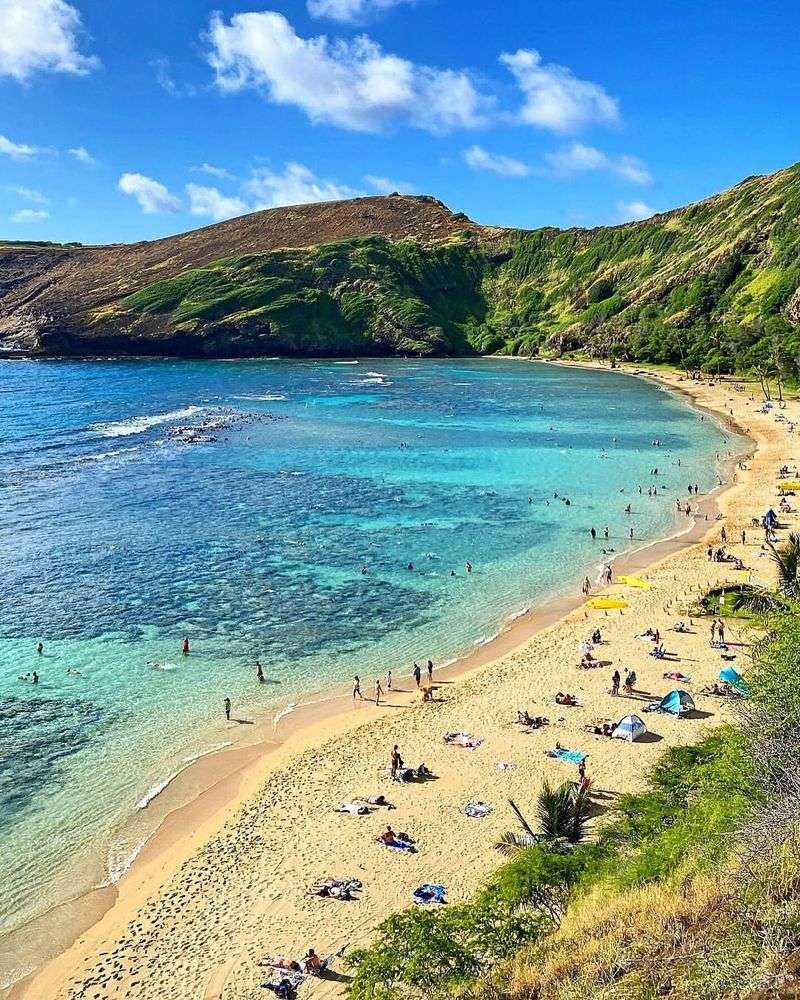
(398, 845)
(567, 756)
(465, 740)
(354, 808)
(284, 984)
(504, 765)
(428, 893)
(476, 810)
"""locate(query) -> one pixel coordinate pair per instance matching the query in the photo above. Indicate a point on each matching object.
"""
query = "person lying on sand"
(599, 729)
(531, 721)
(566, 699)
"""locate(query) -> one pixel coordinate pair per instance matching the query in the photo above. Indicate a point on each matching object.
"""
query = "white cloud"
(219, 172)
(631, 211)
(383, 185)
(41, 36)
(25, 215)
(555, 99)
(16, 150)
(353, 84)
(153, 196)
(350, 10)
(297, 185)
(82, 155)
(477, 158)
(29, 194)
(579, 158)
(212, 202)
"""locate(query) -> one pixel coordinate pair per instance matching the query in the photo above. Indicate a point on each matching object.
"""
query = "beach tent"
(770, 519)
(731, 676)
(606, 603)
(630, 728)
(634, 581)
(676, 703)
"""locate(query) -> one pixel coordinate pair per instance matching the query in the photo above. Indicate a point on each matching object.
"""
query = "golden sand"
(224, 882)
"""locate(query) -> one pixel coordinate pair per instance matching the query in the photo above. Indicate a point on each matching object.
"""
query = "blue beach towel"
(568, 756)
(428, 893)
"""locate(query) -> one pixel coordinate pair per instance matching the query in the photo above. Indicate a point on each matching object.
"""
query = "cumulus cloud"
(82, 155)
(353, 84)
(152, 195)
(29, 194)
(296, 185)
(555, 99)
(579, 158)
(219, 172)
(41, 36)
(26, 215)
(478, 158)
(383, 185)
(16, 150)
(631, 211)
(350, 10)
(211, 202)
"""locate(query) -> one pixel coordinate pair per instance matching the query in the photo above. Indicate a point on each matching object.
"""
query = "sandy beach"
(223, 883)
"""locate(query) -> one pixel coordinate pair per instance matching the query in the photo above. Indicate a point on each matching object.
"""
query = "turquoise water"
(120, 535)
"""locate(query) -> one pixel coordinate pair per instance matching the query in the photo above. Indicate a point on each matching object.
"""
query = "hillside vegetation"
(712, 285)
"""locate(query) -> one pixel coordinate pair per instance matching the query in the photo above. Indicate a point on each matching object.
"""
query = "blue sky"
(131, 119)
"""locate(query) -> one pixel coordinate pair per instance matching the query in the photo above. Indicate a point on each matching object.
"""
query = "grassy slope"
(705, 283)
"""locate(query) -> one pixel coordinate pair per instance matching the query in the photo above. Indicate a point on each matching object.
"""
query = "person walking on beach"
(388, 680)
(586, 586)
(615, 680)
(430, 671)
(357, 688)
(723, 535)
(228, 709)
(378, 691)
(259, 672)
(744, 537)
(713, 631)
(417, 673)
(185, 646)
(721, 630)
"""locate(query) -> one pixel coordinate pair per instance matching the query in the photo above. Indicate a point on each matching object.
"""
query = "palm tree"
(787, 562)
(563, 815)
(563, 812)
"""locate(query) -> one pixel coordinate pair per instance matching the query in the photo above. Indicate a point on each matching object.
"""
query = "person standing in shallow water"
(40, 648)
(228, 709)
(417, 673)
(430, 671)
(259, 672)
(185, 645)
(357, 688)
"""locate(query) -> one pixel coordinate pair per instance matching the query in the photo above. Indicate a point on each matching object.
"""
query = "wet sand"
(223, 881)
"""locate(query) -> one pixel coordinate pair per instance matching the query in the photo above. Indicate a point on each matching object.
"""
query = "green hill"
(713, 284)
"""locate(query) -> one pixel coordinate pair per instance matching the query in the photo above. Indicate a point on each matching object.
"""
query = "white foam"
(155, 790)
(284, 712)
(344, 362)
(138, 425)
(517, 614)
(120, 858)
(268, 398)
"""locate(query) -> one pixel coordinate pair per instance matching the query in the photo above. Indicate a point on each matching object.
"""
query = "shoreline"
(221, 781)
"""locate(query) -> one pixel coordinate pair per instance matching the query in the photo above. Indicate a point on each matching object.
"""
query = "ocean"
(314, 516)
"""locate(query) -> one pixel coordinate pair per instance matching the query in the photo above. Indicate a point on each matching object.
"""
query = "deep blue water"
(118, 538)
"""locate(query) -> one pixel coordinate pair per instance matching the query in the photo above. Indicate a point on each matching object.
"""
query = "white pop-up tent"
(630, 728)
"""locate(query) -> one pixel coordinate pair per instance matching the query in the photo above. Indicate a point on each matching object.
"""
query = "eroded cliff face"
(400, 274)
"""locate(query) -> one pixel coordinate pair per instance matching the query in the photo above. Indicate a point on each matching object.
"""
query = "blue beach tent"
(676, 703)
(734, 678)
(630, 728)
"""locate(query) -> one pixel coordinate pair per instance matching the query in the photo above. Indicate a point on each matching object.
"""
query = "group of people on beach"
(416, 673)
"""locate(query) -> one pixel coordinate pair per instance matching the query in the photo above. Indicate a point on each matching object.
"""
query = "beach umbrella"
(630, 728)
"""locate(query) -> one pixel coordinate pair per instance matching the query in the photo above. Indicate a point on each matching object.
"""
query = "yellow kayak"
(606, 603)
(634, 581)
(789, 484)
